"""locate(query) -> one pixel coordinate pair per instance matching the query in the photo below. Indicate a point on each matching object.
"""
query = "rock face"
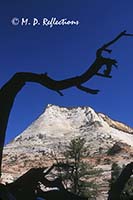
(56, 127)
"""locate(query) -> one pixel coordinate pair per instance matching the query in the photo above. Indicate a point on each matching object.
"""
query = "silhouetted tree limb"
(28, 186)
(118, 187)
(9, 91)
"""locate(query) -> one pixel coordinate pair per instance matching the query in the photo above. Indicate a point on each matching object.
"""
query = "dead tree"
(25, 186)
(118, 186)
(9, 91)
(28, 186)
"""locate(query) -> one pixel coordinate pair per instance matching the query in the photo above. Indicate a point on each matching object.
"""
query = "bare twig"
(105, 46)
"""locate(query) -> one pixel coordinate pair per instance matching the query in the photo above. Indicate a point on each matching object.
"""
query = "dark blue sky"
(65, 51)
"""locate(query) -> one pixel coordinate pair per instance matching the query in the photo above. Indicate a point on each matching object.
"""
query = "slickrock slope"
(56, 127)
(117, 125)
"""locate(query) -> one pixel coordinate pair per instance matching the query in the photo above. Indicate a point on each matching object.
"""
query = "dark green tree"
(116, 171)
(79, 172)
(128, 191)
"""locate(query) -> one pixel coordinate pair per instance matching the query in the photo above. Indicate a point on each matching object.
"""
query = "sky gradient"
(66, 51)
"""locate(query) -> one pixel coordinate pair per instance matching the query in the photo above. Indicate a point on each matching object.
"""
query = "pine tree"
(115, 172)
(77, 176)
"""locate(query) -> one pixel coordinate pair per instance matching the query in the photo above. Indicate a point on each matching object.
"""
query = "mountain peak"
(61, 124)
(94, 116)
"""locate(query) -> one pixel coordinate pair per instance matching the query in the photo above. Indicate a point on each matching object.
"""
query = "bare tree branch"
(28, 186)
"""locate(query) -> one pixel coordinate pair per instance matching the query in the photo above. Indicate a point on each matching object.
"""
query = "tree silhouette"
(9, 91)
(118, 186)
